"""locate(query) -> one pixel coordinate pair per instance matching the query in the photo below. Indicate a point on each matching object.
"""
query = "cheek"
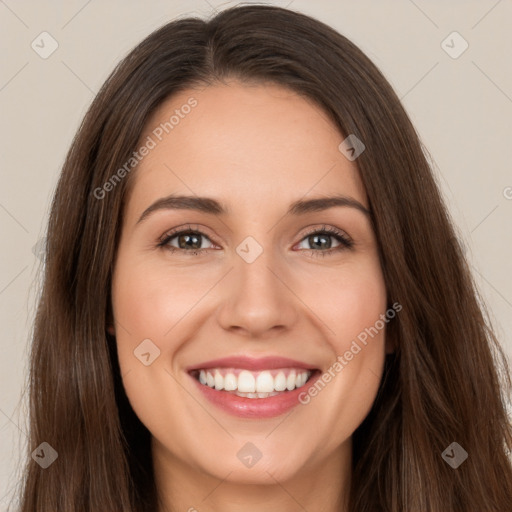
(149, 301)
(350, 305)
(347, 300)
(156, 303)
(356, 312)
(148, 305)
(360, 331)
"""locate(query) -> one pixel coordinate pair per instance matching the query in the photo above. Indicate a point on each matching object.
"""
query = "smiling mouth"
(253, 384)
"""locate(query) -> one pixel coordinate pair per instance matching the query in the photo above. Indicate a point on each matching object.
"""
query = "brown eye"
(320, 241)
(185, 240)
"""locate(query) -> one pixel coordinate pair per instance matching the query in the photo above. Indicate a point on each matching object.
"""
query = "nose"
(257, 298)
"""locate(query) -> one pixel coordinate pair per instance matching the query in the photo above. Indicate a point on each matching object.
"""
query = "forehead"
(256, 145)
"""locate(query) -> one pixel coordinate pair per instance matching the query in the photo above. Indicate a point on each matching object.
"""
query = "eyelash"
(345, 241)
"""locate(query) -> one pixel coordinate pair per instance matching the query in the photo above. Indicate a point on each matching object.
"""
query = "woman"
(192, 352)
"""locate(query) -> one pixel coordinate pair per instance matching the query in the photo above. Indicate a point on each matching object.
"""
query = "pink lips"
(254, 408)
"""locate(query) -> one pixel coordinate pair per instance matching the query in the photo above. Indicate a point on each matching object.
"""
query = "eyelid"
(324, 228)
(195, 228)
(345, 241)
(333, 231)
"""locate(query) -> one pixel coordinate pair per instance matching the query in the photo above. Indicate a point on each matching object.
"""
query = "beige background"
(461, 108)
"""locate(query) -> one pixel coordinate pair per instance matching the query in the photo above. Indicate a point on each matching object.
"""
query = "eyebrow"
(214, 207)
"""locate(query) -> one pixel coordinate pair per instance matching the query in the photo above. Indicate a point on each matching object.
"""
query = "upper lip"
(251, 363)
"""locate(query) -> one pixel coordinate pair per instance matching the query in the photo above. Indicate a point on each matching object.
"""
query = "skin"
(255, 148)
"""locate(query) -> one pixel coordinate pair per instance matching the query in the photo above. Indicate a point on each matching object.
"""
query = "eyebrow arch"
(214, 207)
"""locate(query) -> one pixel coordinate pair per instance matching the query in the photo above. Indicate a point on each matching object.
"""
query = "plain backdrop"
(459, 99)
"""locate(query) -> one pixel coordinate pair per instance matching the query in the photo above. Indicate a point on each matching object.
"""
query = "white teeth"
(290, 381)
(219, 380)
(246, 382)
(264, 383)
(280, 382)
(230, 382)
(253, 384)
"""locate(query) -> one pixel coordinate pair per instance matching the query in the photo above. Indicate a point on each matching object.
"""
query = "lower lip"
(255, 408)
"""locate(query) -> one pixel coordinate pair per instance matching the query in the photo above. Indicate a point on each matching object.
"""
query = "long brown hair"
(441, 385)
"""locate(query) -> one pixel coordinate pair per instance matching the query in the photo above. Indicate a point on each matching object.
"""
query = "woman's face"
(248, 279)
